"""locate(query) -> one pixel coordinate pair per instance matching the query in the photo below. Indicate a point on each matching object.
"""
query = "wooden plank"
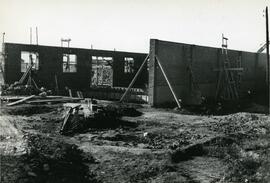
(21, 101)
(134, 79)
(70, 92)
(78, 94)
(25, 74)
(55, 100)
(66, 119)
(81, 95)
(168, 82)
(56, 84)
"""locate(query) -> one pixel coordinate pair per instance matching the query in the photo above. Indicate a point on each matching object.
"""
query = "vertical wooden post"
(56, 84)
(70, 92)
(267, 56)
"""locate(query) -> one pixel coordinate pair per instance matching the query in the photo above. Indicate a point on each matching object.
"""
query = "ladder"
(230, 89)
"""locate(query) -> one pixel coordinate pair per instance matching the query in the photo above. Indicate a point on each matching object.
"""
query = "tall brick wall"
(177, 57)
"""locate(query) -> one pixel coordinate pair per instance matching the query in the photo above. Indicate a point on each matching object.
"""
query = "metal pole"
(134, 79)
(37, 35)
(168, 82)
(30, 35)
(267, 56)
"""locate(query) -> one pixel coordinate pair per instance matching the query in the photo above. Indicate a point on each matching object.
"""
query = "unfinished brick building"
(75, 68)
(194, 72)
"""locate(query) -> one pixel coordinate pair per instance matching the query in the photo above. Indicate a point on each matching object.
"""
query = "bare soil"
(163, 145)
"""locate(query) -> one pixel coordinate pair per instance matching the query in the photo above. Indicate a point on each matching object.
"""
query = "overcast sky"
(127, 25)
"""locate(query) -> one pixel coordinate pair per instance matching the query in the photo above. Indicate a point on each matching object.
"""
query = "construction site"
(178, 113)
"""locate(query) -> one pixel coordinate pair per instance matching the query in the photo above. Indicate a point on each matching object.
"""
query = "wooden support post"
(35, 84)
(168, 82)
(81, 93)
(65, 120)
(78, 94)
(134, 79)
(56, 84)
(70, 92)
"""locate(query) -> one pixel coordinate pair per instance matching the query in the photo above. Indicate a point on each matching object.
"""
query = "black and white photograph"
(134, 91)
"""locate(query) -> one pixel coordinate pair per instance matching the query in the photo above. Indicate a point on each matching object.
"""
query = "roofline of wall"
(86, 49)
(202, 46)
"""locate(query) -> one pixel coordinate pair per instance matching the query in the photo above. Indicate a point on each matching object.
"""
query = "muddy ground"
(155, 145)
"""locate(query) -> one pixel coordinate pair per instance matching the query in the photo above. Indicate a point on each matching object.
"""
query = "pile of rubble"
(18, 88)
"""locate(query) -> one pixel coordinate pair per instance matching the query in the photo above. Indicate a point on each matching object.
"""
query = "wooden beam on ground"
(134, 79)
(168, 82)
(54, 100)
(21, 101)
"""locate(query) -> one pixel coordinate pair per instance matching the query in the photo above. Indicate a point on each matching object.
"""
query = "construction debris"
(33, 99)
(57, 100)
(80, 117)
(21, 101)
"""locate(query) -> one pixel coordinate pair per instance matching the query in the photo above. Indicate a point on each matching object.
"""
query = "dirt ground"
(161, 145)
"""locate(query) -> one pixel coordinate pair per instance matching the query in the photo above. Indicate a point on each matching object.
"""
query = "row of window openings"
(70, 62)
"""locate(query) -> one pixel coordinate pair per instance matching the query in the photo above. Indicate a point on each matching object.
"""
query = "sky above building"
(128, 25)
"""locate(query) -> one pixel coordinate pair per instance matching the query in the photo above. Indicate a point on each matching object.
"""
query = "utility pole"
(267, 56)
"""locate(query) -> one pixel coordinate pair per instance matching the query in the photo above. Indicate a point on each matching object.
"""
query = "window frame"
(129, 63)
(69, 62)
(25, 60)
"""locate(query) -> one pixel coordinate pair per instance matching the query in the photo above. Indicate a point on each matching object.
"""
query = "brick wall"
(50, 65)
(177, 57)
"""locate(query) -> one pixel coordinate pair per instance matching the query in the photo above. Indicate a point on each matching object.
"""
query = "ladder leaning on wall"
(226, 88)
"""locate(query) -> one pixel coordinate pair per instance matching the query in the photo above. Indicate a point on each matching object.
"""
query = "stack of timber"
(34, 99)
